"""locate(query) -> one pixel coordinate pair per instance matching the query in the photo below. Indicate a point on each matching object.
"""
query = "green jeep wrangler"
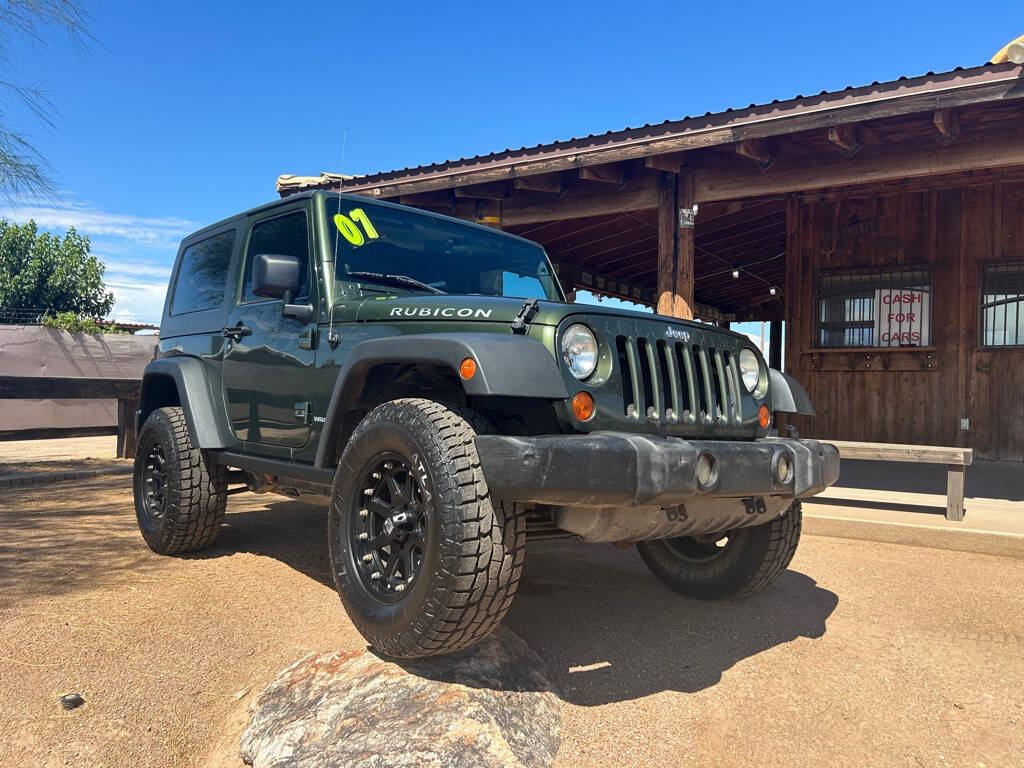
(427, 377)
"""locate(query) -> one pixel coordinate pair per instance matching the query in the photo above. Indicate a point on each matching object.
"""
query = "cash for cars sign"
(902, 317)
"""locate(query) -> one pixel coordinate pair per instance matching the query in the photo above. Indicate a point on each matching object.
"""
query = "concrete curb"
(974, 540)
(41, 478)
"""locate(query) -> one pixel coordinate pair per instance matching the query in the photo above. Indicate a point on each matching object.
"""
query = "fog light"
(707, 471)
(582, 406)
(782, 469)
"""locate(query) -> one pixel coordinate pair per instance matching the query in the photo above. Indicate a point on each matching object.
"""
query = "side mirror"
(276, 276)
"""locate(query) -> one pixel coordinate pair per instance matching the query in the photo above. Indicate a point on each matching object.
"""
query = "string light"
(735, 273)
(772, 290)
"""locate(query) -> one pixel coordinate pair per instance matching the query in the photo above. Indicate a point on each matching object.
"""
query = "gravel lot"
(862, 654)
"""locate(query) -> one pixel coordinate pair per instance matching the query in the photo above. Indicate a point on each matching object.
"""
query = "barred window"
(876, 308)
(1002, 305)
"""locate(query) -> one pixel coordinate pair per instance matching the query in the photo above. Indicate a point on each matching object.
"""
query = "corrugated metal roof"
(850, 95)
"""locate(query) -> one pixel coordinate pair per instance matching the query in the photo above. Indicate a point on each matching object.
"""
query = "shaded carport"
(741, 214)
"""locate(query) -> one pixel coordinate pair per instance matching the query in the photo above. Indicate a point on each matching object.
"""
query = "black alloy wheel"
(425, 562)
(388, 527)
(154, 482)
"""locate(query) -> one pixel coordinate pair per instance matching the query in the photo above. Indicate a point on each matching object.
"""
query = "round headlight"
(579, 350)
(750, 370)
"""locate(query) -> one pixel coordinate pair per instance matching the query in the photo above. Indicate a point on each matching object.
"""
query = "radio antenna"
(332, 337)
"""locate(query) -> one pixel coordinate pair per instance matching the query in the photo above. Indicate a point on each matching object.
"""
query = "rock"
(72, 700)
(489, 705)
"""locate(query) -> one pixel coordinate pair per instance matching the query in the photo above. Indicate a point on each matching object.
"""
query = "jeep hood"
(492, 309)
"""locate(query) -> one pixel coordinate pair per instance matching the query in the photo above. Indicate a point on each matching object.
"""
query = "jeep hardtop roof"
(354, 198)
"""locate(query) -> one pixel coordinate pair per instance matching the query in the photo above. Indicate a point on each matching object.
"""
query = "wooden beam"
(602, 284)
(675, 244)
(491, 191)
(440, 198)
(845, 137)
(670, 162)
(756, 150)
(612, 173)
(947, 124)
(887, 162)
(636, 195)
(553, 183)
(931, 454)
(70, 387)
(480, 211)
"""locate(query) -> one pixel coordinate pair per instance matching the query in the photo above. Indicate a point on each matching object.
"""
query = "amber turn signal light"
(764, 416)
(467, 369)
(582, 406)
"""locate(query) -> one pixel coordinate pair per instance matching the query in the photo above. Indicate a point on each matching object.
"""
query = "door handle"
(235, 332)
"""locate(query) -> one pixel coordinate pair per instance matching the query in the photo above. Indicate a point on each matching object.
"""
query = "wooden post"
(126, 437)
(675, 244)
(955, 492)
(775, 344)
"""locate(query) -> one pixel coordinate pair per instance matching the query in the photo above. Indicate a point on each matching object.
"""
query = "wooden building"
(883, 224)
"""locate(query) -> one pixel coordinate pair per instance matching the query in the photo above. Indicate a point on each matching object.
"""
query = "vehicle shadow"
(293, 532)
(604, 627)
(613, 632)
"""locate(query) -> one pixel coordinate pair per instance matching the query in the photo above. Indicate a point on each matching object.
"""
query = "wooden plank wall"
(954, 230)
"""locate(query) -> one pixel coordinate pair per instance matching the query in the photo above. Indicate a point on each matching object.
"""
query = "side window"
(285, 236)
(203, 275)
(1002, 305)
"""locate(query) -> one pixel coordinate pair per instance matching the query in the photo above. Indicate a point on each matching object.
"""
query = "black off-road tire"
(474, 546)
(752, 559)
(194, 490)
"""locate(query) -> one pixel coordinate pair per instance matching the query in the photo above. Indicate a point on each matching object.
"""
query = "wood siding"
(954, 231)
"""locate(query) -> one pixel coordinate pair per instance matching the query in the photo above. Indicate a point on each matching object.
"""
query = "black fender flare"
(787, 394)
(205, 416)
(507, 364)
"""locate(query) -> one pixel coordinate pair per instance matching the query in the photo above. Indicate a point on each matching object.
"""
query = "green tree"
(49, 273)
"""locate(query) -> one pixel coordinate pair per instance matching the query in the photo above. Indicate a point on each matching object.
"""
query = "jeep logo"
(678, 333)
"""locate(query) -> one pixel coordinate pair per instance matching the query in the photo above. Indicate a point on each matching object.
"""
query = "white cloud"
(137, 300)
(138, 251)
(152, 231)
(134, 269)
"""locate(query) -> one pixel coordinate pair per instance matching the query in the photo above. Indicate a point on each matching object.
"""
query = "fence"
(39, 352)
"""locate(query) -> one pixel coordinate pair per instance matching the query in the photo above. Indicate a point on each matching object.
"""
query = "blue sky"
(184, 112)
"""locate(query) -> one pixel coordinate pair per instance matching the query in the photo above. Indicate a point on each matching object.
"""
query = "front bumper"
(617, 486)
(617, 469)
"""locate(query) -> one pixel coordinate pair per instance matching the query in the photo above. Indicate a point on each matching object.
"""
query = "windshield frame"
(347, 290)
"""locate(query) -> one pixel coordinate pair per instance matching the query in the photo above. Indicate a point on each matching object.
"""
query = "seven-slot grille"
(677, 382)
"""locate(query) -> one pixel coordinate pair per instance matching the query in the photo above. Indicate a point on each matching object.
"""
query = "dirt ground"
(98, 448)
(862, 654)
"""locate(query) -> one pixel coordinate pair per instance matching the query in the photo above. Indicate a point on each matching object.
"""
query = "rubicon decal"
(462, 312)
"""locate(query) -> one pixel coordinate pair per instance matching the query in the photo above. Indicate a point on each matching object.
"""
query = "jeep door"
(268, 362)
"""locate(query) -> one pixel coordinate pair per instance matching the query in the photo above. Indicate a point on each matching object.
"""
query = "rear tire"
(751, 559)
(425, 562)
(180, 495)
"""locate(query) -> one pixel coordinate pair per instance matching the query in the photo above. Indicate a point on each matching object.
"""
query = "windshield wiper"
(397, 280)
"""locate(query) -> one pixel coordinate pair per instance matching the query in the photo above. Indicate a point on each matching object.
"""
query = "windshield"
(381, 249)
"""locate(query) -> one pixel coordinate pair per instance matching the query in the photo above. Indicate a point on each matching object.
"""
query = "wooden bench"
(955, 459)
(125, 391)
